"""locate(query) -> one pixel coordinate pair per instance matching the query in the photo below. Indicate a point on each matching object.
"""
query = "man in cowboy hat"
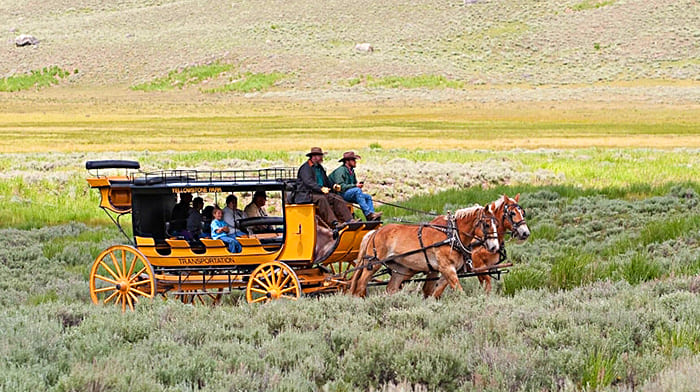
(350, 189)
(314, 186)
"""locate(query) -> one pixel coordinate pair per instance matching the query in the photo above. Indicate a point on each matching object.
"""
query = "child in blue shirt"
(220, 231)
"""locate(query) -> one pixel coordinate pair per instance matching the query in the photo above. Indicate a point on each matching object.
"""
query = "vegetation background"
(590, 109)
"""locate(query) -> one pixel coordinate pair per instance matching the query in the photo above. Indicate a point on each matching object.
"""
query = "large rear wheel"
(121, 275)
(270, 281)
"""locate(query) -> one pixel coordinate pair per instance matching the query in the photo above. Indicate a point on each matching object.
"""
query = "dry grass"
(66, 120)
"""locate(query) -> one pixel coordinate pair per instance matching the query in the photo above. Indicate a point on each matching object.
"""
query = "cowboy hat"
(349, 155)
(315, 151)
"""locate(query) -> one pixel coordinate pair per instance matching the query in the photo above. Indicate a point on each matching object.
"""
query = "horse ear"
(492, 207)
(505, 197)
(517, 197)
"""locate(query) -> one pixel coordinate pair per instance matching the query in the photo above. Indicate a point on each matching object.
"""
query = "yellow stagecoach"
(272, 265)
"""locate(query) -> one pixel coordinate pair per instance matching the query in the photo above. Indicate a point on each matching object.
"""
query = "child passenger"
(220, 231)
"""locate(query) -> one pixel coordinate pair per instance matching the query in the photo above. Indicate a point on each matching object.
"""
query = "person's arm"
(229, 218)
(341, 177)
(308, 178)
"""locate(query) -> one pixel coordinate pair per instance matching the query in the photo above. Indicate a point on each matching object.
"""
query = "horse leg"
(440, 286)
(359, 285)
(430, 284)
(395, 282)
(449, 276)
(485, 282)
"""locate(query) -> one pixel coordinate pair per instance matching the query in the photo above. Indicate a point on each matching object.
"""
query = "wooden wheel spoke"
(133, 297)
(261, 283)
(106, 279)
(128, 301)
(280, 273)
(124, 263)
(123, 301)
(136, 275)
(288, 289)
(261, 299)
(109, 298)
(131, 267)
(102, 290)
(257, 290)
(139, 292)
(116, 264)
(267, 278)
(114, 294)
(139, 283)
(103, 264)
(286, 280)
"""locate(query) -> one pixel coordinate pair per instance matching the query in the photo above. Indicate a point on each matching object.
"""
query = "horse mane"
(465, 212)
(501, 200)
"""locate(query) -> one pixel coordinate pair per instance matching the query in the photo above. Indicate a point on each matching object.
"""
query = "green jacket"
(344, 178)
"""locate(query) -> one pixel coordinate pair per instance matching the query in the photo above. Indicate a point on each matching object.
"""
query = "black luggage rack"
(251, 176)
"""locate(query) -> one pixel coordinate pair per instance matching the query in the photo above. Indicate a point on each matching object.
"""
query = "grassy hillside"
(493, 42)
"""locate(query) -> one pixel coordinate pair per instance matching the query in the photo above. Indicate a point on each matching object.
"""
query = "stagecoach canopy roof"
(201, 181)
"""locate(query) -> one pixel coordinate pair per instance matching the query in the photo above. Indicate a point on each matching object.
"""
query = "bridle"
(509, 210)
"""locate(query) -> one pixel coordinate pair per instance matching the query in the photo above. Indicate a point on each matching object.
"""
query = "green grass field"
(603, 296)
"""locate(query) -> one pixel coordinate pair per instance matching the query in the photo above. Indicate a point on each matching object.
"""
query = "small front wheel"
(270, 281)
(120, 275)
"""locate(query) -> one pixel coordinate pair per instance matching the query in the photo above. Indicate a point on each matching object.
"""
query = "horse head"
(512, 217)
(481, 225)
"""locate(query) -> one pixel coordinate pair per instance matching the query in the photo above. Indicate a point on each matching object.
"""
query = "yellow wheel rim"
(271, 281)
(121, 275)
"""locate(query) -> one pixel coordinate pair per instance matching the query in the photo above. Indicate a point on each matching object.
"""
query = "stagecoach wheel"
(121, 275)
(210, 298)
(270, 281)
(343, 270)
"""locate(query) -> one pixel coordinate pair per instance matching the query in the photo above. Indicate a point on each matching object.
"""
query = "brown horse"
(511, 218)
(409, 249)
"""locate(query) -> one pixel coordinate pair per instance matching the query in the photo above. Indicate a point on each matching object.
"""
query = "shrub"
(184, 77)
(35, 79)
(250, 82)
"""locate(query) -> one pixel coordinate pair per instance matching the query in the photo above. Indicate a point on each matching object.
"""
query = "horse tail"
(361, 260)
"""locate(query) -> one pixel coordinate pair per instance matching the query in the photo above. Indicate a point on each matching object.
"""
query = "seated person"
(207, 217)
(194, 219)
(178, 217)
(350, 189)
(313, 186)
(255, 209)
(232, 214)
(221, 231)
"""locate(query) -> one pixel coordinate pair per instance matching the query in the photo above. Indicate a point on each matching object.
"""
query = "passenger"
(221, 231)
(207, 217)
(314, 186)
(232, 215)
(255, 209)
(178, 217)
(194, 219)
(350, 189)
